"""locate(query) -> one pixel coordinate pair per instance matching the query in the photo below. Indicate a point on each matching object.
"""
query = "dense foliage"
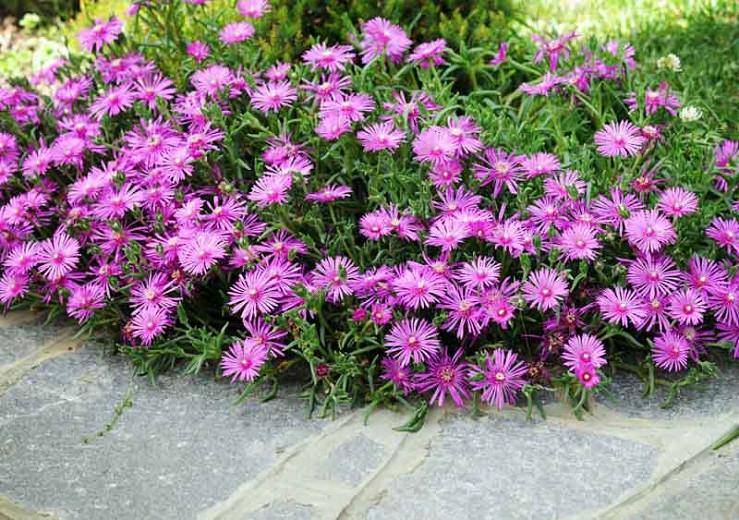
(387, 219)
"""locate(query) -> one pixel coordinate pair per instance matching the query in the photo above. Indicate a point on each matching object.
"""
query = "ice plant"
(364, 212)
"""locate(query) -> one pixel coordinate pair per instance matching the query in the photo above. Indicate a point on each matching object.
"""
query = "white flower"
(669, 62)
(689, 113)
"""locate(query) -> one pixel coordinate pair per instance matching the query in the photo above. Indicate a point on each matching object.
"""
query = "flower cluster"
(333, 212)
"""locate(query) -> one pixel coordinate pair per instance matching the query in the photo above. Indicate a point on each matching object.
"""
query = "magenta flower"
(704, 275)
(615, 210)
(578, 242)
(670, 352)
(375, 225)
(329, 193)
(380, 136)
(583, 350)
(332, 58)
(653, 276)
(198, 50)
(413, 340)
(85, 300)
(113, 102)
(649, 231)
(419, 287)
(553, 49)
(587, 376)
(445, 375)
(236, 32)
(155, 291)
(500, 169)
(212, 79)
(501, 378)
(270, 189)
(13, 286)
(500, 55)
(622, 306)
(677, 202)
(619, 139)
(541, 163)
(687, 307)
(725, 232)
(545, 288)
(252, 294)
(22, 258)
(382, 38)
(447, 234)
(271, 96)
(723, 300)
(335, 275)
(100, 34)
(393, 370)
(201, 252)
(480, 273)
(332, 127)
(429, 54)
(253, 8)
(58, 255)
(149, 324)
(243, 360)
(464, 311)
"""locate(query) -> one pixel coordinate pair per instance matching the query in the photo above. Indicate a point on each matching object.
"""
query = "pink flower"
(545, 288)
(465, 312)
(270, 189)
(253, 8)
(447, 234)
(501, 378)
(380, 136)
(329, 193)
(85, 300)
(333, 58)
(622, 306)
(252, 294)
(375, 225)
(587, 376)
(413, 340)
(100, 34)
(725, 232)
(236, 32)
(335, 275)
(332, 127)
(677, 202)
(380, 37)
(670, 352)
(113, 102)
(704, 275)
(480, 273)
(149, 324)
(578, 242)
(429, 54)
(272, 96)
(653, 276)
(553, 49)
(419, 287)
(649, 231)
(537, 164)
(13, 286)
(401, 376)
(198, 50)
(212, 79)
(445, 375)
(615, 210)
(22, 258)
(201, 252)
(584, 350)
(687, 307)
(243, 360)
(619, 139)
(501, 54)
(58, 255)
(499, 168)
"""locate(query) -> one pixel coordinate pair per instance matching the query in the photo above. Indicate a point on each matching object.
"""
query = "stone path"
(81, 439)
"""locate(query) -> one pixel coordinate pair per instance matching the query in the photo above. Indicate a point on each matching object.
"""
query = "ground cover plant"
(386, 220)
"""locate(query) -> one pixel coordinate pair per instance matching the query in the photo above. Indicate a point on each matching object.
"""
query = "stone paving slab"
(81, 439)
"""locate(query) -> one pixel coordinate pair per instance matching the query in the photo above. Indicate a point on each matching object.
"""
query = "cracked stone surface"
(352, 460)
(286, 510)
(81, 439)
(487, 467)
(179, 448)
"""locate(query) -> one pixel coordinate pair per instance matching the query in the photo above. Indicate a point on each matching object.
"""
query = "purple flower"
(445, 375)
(413, 340)
(100, 34)
(649, 231)
(670, 352)
(332, 58)
(429, 54)
(501, 378)
(584, 350)
(619, 139)
(236, 32)
(243, 360)
(335, 275)
(622, 306)
(545, 288)
(382, 38)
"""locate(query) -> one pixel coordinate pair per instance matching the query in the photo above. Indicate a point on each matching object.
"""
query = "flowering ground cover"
(386, 220)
